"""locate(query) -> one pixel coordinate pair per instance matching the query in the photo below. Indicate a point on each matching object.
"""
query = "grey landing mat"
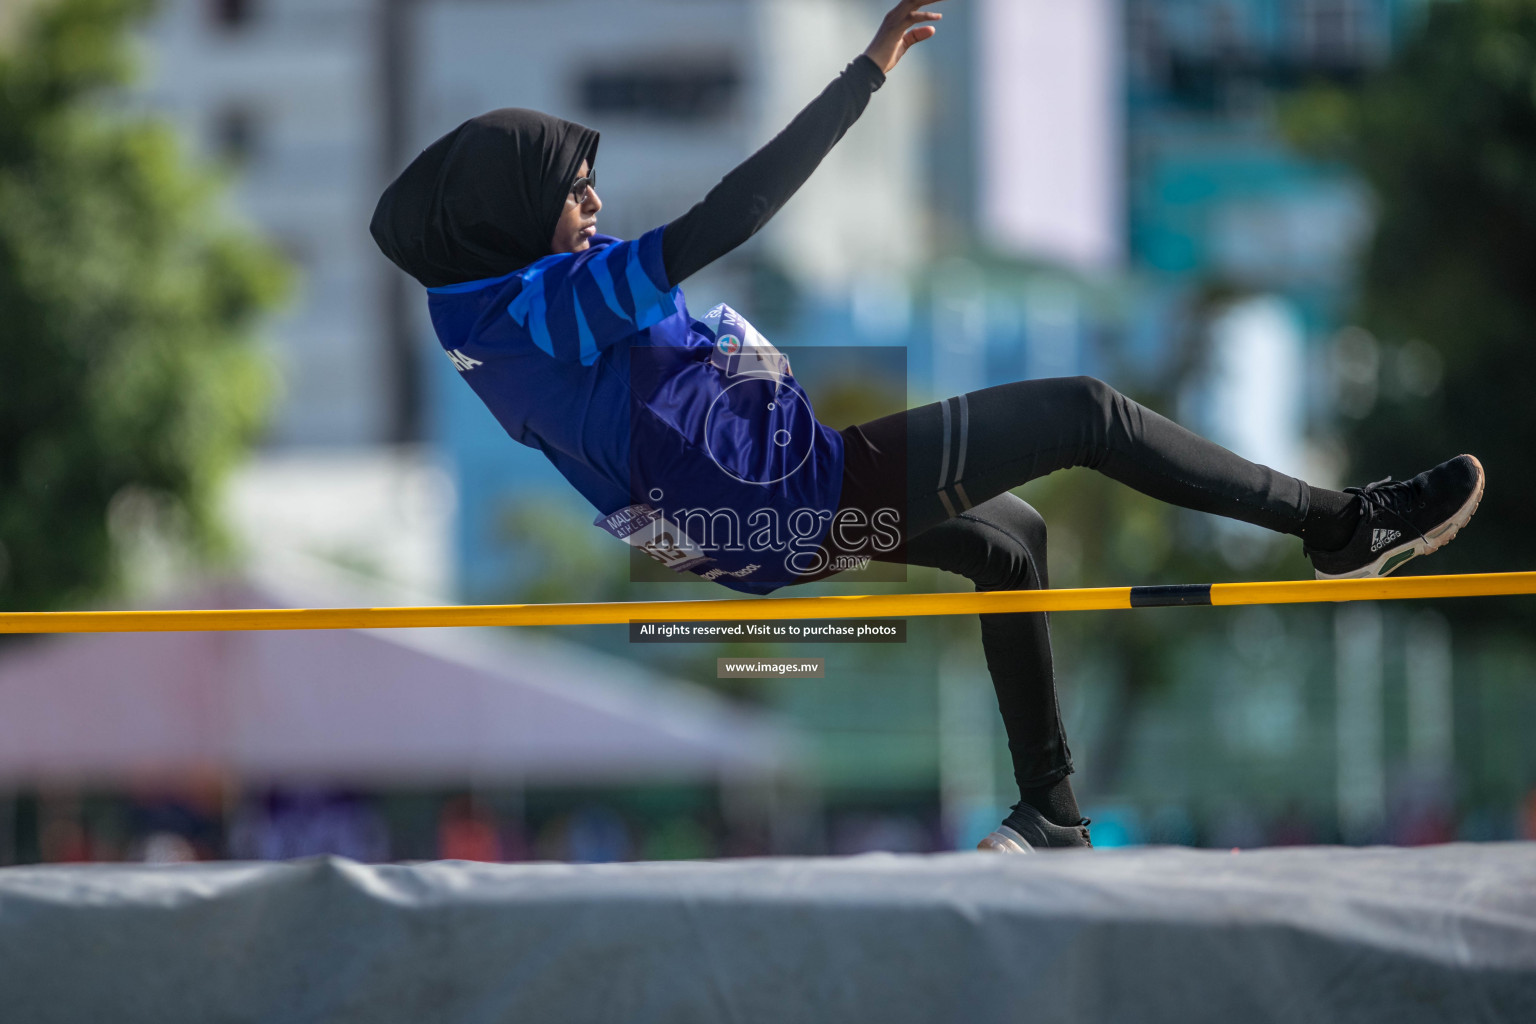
(1313, 934)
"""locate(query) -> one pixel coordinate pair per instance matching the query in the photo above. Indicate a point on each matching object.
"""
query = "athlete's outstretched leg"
(966, 449)
(939, 460)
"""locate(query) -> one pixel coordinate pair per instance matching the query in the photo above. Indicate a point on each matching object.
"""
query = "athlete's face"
(578, 222)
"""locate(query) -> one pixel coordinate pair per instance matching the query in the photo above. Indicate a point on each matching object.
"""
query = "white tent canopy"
(355, 706)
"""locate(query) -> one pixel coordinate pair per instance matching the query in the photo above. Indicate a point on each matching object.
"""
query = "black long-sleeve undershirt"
(745, 199)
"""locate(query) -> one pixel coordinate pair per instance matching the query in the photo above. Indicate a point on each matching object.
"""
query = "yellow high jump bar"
(828, 607)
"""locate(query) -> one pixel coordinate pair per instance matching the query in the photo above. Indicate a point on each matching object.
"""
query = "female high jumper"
(693, 441)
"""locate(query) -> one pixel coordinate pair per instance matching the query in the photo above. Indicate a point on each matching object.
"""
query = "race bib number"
(644, 527)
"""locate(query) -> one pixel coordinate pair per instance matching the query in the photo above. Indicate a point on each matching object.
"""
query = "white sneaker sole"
(1395, 558)
(1005, 840)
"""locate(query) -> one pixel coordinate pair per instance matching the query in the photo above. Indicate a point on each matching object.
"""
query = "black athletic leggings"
(947, 469)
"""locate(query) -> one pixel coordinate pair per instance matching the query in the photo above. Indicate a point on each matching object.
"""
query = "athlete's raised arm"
(905, 26)
(746, 198)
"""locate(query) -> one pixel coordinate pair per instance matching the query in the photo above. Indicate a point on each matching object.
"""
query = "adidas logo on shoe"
(1399, 520)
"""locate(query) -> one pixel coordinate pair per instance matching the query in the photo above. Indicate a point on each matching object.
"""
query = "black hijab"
(483, 200)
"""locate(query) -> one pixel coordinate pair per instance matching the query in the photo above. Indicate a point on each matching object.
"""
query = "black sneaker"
(1026, 830)
(1405, 519)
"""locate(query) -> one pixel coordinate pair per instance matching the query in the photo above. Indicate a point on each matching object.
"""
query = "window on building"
(231, 14)
(1228, 34)
(1147, 43)
(236, 131)
(662, 91)
(1332, 32)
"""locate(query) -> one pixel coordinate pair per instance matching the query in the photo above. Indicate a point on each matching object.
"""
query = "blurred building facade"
(296, 101)
(1213, 190)
(287, 95)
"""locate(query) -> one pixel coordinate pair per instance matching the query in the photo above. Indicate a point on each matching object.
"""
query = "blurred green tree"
(130, 379)
(1445, 136)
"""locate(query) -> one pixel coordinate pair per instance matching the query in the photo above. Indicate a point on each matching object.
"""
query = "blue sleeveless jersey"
(590, 358)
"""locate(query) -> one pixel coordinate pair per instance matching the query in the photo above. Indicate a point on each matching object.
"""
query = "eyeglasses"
(581, 188)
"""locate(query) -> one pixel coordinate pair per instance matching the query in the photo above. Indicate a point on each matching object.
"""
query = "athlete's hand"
(897, 33)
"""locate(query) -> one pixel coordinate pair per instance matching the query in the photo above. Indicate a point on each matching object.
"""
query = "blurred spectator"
(1487, 823)
(164, 848)
(893, 833)
(191, 813)
(1235, 826)
(467, 831)
(597, 835)
(307, 823)
(679, 838)
(1291, 827)
(1422, 810)
(1528, 816)
(514, 843)
(553, 842)
(743, 841)
(1169, 825)
(61, 832)
(1424, 825)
